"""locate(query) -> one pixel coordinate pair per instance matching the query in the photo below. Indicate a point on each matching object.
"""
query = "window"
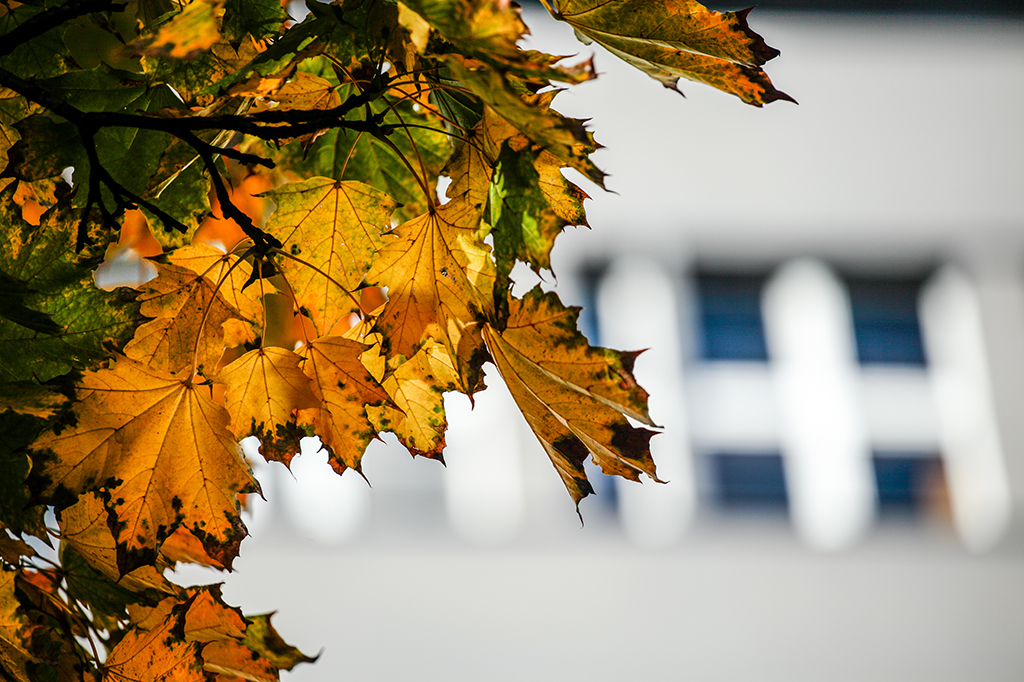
(885, 320)
(748, 481)
(908, 483)
(730, 317)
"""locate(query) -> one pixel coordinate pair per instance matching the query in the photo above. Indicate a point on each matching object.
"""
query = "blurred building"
(833, 299)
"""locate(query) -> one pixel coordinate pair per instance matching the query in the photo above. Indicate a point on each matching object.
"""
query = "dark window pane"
(730, 317)
(748, 481)
(908, 483)
(885, 320)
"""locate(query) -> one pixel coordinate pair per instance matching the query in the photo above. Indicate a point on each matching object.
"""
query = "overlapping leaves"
(355, 300)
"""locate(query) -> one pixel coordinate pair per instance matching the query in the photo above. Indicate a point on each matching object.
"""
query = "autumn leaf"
(416, 387)
(83, 527)
(678, 39)
(264, 389)
(574, 396)
(229, 274)
(14, 626)
(160, 653)
(566, 138)
(307, 92)
(439, 273)
(189, 33)
(330, 231)
(160, 449)
(260, 656)
(188, 329)
(344, 389)
(209, 619)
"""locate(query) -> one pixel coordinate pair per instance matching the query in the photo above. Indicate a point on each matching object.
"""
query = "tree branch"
(46, 20)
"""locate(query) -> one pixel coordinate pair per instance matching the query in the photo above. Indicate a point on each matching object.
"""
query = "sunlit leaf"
(188, 329)
(330, 230)
(566, 138)
(84, 528)
(416, 389)
(574, 396)
(265, 387)
(679, 39)
(344, 389)
(189, 33)
(159, 653)
(160, 449)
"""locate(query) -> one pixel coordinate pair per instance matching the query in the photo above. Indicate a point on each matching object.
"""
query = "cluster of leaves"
(308, 280)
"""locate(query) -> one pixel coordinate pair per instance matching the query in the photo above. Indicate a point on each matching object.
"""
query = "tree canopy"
(281, 179)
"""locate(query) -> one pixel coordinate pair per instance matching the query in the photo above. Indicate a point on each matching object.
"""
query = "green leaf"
(41, 57)
(258, 18)
(523, 221)
(566, 138)
(18, 431)
(679, 39)
(131, 155)
(97, 89)
(418, 155)
(91, 322)
(44, 150)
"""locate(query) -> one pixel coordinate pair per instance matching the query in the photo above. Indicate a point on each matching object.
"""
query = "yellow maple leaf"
(439, 273)
(228, 274)
(417, 413)
(189, 33)
(83, 526)
(159, 448)
(574, 396)
(330, 231)
(156, 653)
(14, 629)
(188, 330)
(344, 389)
(264, 389)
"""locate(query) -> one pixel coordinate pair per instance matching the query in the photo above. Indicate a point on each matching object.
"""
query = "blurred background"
(833, 299)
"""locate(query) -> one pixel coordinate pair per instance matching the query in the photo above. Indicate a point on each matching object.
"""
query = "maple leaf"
(416, 387)
(260, 656)
(52, 317)
(344, 389)
(566, 138)
(574, 396)
(439, 273)
(14, 626)
(159, 653)
(678, 39)
(160, 450)
(230, 643)
(189, 33)
(83, 527)
(405, 164)
(229, 274)
(330, 231)
(264, 389)
(530, 203)
(188, 329)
